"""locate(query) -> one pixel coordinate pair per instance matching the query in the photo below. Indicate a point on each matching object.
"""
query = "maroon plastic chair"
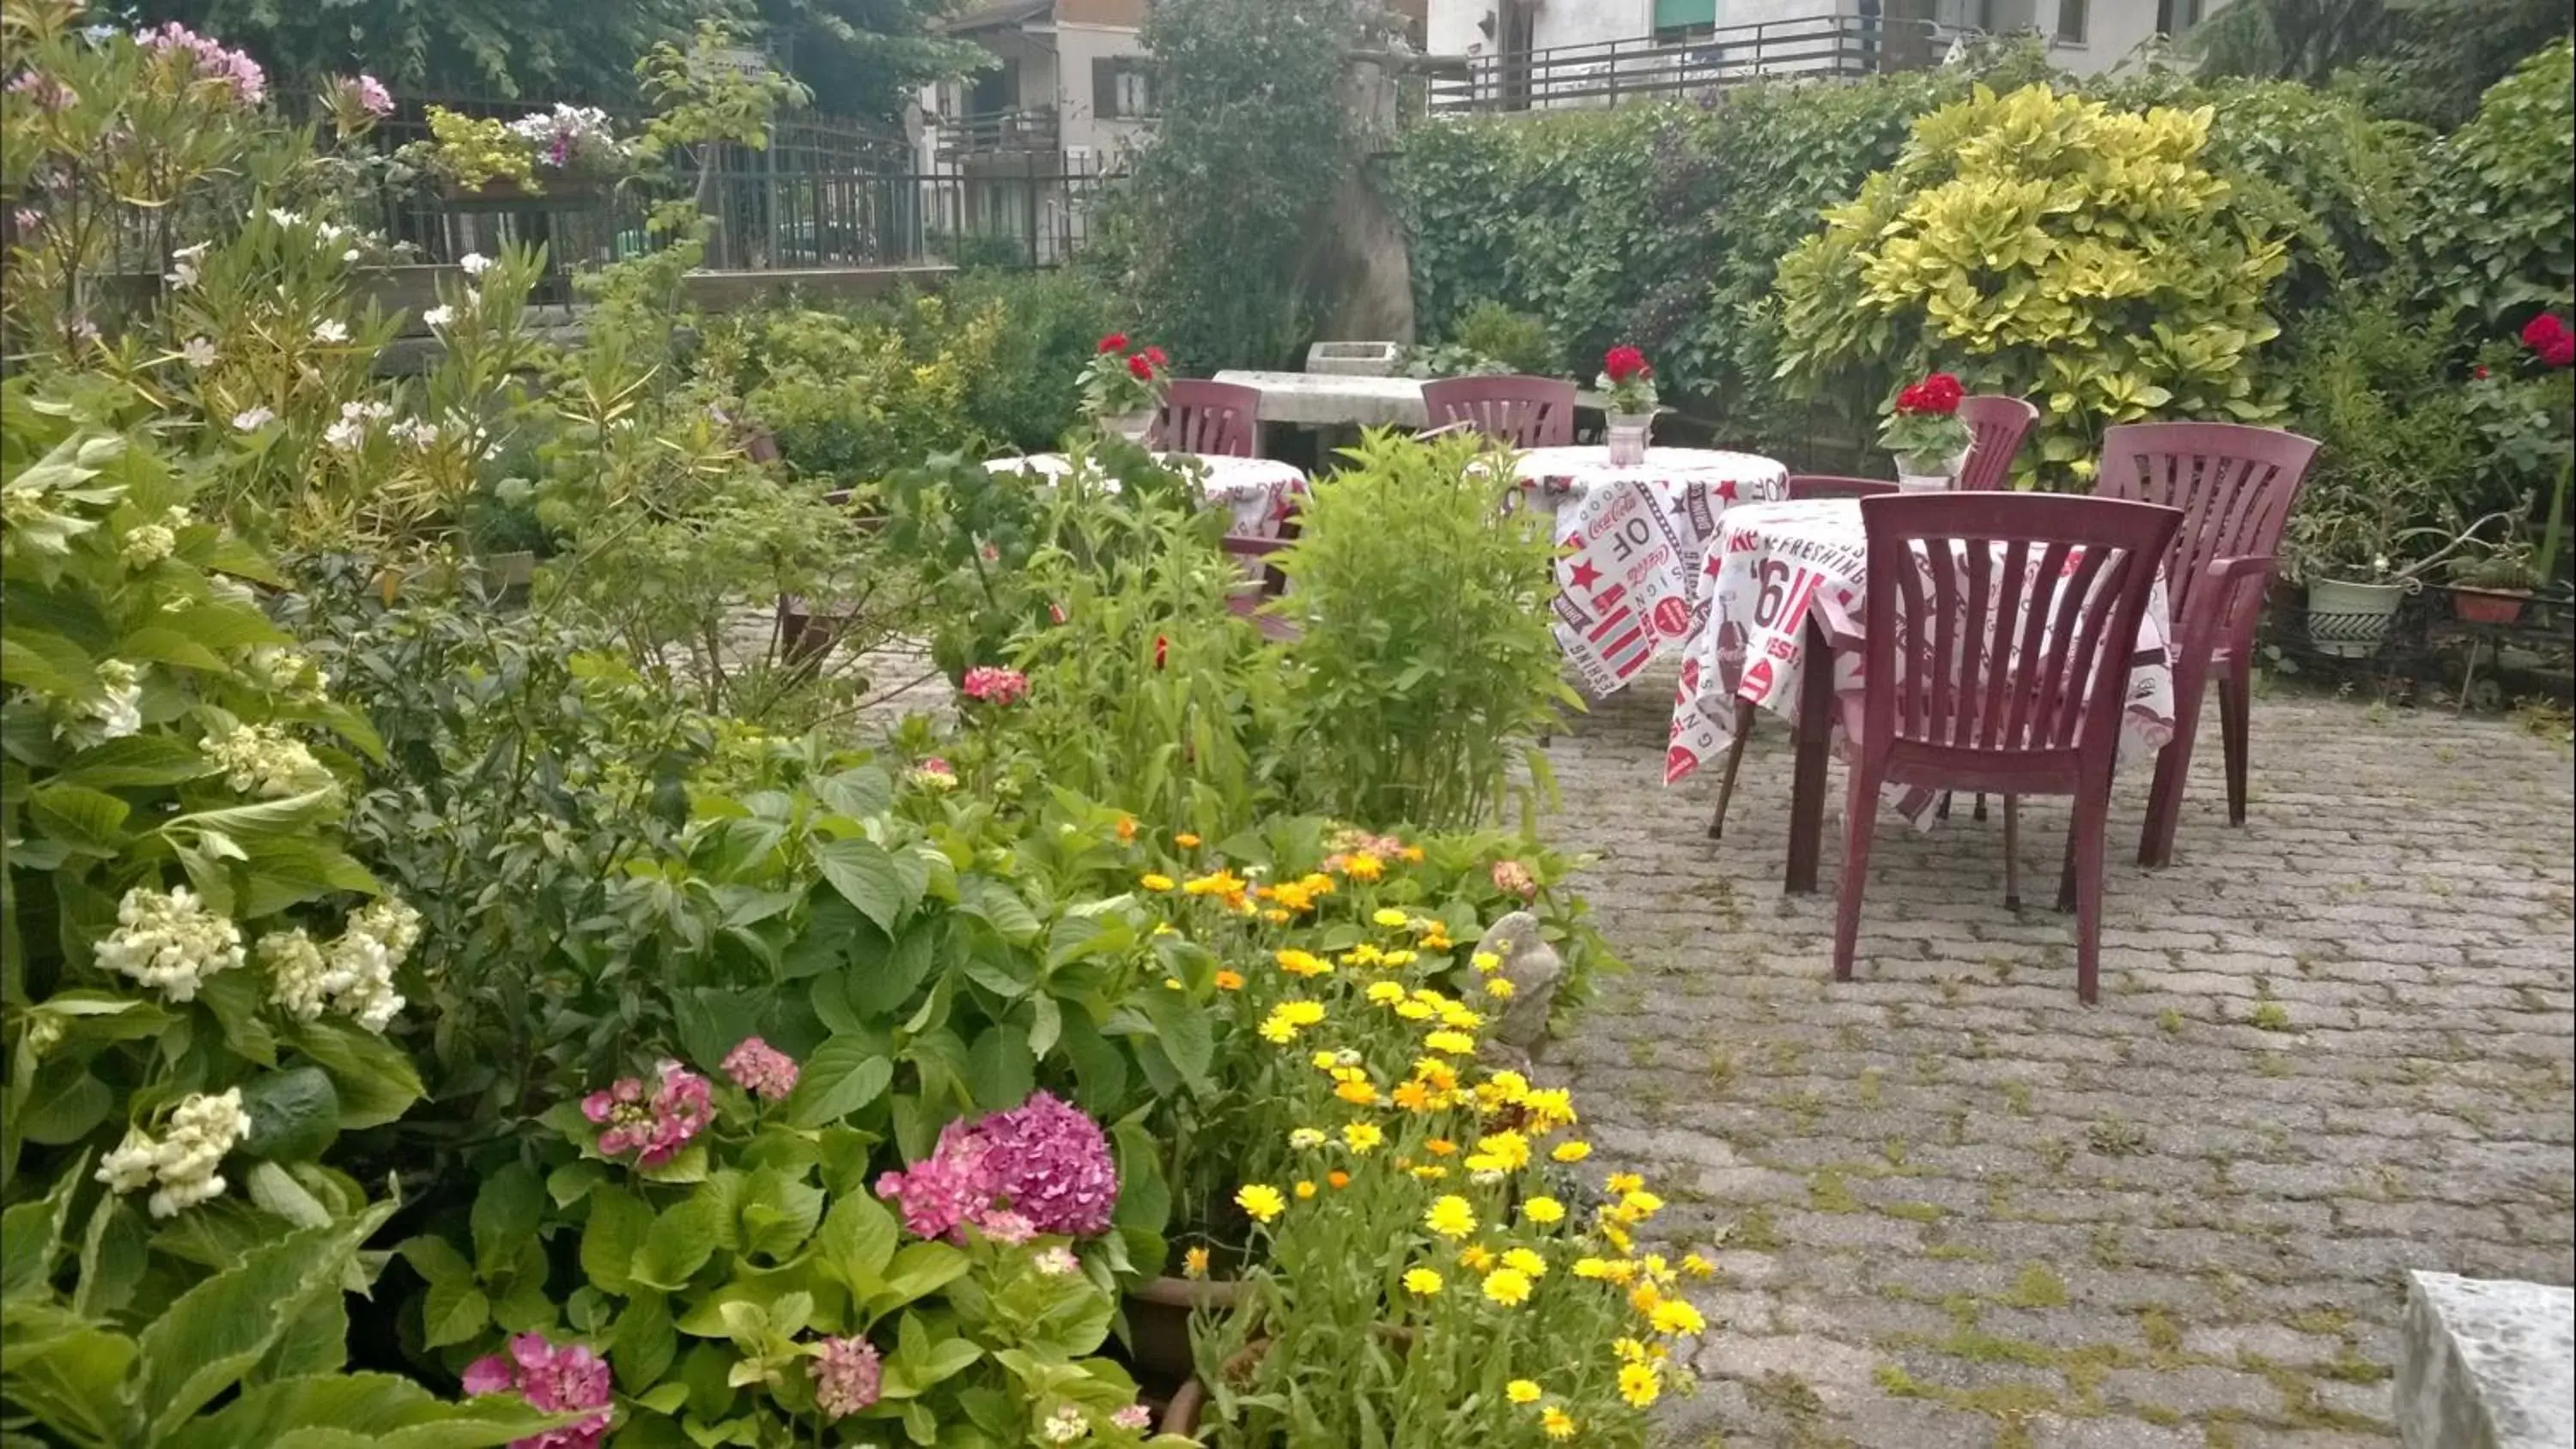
(807, 630)
(2235, 486)
(1998, 424)
(1803, 488)
(1222, 419)
(1808, 487)
(1262, 583)
(2000, 629)
(1523, 412)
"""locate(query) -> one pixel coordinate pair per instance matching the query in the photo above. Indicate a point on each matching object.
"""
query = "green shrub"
(852, 397)
(2046, 247)
(1024, 394)
(1425, 667)
(1517, 340)
(2499, 238)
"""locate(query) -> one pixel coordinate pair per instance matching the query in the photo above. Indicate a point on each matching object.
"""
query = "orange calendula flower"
(1229, 981)
(1186, 841)
(1363, 867)
(1439, 1146)
(1304, 1190)
(1126, 828)
(1302, 963)
(1338, 1178)
(1358, 1094)
(1413, 1097)
(1410, 855)
(1194, 1263)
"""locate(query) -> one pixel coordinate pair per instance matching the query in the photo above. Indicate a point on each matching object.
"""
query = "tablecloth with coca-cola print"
(1770, 568)
(1629, 541)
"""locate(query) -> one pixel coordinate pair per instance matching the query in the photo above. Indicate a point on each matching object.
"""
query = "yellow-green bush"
(2049, 247)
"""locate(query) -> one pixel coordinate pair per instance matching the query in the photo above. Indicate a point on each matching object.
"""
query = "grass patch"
(2036, 1288)
(1915, 1212)
(1755, 1232)
(1827, 1194)
(2169, 1021)
(2270, 1016)
(2164, 1338)
(2017, 1097)
(2115, 1137)
(1869, 1087)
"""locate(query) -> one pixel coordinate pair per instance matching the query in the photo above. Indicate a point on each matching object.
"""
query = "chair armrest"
(2228, 588)
(1837, 638)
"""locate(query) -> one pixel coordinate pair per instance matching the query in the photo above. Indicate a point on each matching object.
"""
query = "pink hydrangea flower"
(761, 1069)
(1514, 879)
(951, 1187)
(995, 685)
(555, 1380)
(847, 1376)
(654, 1128)
(1051, 1163)
(1134, 1416)
(1007, 1227)
(934, 775)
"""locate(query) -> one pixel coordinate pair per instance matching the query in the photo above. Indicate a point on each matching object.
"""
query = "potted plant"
(1628, 407)
(2491, 583)
(505, 536)
(1924, 431)
(2522, 405)
(1122, 388)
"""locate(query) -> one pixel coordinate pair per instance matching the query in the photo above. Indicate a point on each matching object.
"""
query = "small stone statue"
(1533, 967)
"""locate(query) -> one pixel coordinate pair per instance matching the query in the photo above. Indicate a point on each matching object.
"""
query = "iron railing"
(997, 132)
(1611, 72)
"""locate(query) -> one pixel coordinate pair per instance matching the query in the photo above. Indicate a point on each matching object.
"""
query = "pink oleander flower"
(1051, 1164)
(995, 685)
(952, 1187)
(1514, 879)
(847, 1376)
(554, 1380)
(1134, 1416)
(370, 95)
(45, 92)
(654, 1128)
(234, 69)
(761, 1069)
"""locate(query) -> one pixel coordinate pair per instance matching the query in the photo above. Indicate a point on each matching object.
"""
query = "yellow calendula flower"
(1261, 1200)
(1475, 1257)
(1186, 841)
(1388, 918)
(1620, 1270)
(1697, 1266)
(1157, 883)
(1194, 1263)
(1523, 1391)
(1421, 1282)
(1275, 916)
(1363, 867)
(1552, 1107)
(1639, 1385)
(1385, 993)
(1358, 1094)
(1571, 1151)
(1629, 1350)
(1365, 954)
(1507, 1286)
(1362, 1137)
(1324, 1061)
(1455, 1043)
(1503, 1087)
(1591, 1268)
(1306, 1137)
(1617, 1236)
(1394, 959)
(1450, 1217)
(1486, 962)
(1641, 1202)
(1509, 1150)
(1428, 1173)
(1414, 1011)
(1543, 1211)
(1413, 1097)
(1164, 928)
(1620, 1184)
(1303, 963)
(1646, 1298)
(1304, 1190)
(1410, 855)
(1525, 1262)
(1500, 988)
(1558, 1423)
(1677, 1317)
(1435, 1073)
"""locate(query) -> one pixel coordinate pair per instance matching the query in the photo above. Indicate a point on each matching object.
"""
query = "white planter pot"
(1913, 477)
(1624, 434)
(1131, 426)
(2348, 620)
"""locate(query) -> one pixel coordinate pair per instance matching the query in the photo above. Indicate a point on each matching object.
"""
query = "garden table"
(1261, 492)
(1629, 542)
(1327, 400)
(1785, 582)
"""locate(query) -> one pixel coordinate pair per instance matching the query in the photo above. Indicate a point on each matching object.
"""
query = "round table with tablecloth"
(1260, 492)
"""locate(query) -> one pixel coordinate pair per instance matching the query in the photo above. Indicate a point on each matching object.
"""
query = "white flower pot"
(1131, 426)
(1625, 436)
(1914, 476)
(2349, 620)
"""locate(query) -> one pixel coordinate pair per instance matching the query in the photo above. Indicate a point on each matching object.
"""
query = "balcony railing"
(998, 132)
(1605, 74)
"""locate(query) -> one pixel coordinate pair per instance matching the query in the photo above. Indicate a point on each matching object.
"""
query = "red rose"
(1114, 342)
(1140, 369)
(1624, 362)
(1155, 356)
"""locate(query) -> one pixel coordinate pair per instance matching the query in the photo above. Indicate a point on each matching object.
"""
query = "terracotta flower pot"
(1181, 1416)
(1158, 1319)
(2488, 606)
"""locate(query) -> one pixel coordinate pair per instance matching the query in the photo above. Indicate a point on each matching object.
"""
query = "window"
(1122, 89)
(2173, 17)
(2072, 18)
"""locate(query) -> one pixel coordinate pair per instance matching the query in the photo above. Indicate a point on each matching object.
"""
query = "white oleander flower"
(181, 277)
(169, 941)
(438, 316)
(251, 420)
(331, 330)
(474, 264)
(197, 352)
(264, 760)
(345, 436)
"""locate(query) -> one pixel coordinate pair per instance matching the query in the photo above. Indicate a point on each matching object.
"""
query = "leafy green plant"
(1424, 668)
(1517, 340)
(1023, 396)
(2040, 245)
(852, 399)
(2498, 242)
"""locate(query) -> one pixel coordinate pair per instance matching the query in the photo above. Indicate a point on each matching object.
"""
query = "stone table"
(1325, 400)
(2486, 1365)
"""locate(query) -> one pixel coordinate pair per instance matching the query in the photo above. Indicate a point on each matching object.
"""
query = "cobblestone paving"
(1954, 1207)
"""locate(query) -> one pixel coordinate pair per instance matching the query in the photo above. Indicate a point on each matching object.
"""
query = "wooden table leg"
(1807, 784)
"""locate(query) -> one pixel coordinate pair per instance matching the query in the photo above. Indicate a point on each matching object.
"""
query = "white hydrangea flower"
(147, 545)
(361, 963)
(264, 760)
(129, 1167)
(169, 941)
(202, 1129)
(298, 981)
(474, 264)
(286, 672)
(116, 713)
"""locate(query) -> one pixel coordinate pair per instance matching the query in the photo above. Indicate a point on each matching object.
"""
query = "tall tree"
(578, 48)
(865, 57)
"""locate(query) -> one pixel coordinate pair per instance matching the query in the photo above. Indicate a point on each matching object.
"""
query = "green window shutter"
(1670, 14)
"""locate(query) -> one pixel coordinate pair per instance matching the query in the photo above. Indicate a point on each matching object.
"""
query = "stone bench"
(2486, 1365)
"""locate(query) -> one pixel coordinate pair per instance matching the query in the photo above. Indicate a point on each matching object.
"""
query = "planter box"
(1352, 359)
(2488, 606)
(412, 289)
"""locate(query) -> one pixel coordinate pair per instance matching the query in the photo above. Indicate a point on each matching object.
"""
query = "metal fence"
(1605, 74)
(825, 193)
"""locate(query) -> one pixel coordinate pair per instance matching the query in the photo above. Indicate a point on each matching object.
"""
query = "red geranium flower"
(1155, 356)
(2482, 374)
(1624, 362)
(2548, 338)
(1941, 393)
(1141, 368)
(1162, 650)
(1114, 342)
